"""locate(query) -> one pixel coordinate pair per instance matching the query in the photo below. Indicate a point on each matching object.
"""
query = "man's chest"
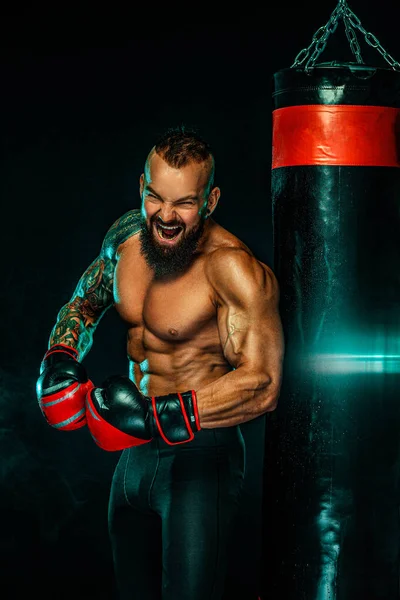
(176, 309)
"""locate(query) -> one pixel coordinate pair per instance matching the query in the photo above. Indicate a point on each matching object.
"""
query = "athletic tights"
(171, 516)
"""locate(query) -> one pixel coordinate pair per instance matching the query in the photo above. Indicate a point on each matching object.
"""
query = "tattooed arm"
(77, 320)
(93, 296)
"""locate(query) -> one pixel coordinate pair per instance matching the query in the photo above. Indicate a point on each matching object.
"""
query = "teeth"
(167, 227)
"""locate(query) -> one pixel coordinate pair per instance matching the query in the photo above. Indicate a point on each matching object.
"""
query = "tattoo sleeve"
(93, 296)
(77, 320)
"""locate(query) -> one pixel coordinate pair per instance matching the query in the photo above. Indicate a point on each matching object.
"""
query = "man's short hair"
(181, 145)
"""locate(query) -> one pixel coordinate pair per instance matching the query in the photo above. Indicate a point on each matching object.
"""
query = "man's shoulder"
(123, 228)
(226, 249)
(223, 261)
(231, 259)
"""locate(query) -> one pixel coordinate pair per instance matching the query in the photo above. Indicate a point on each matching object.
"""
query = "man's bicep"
(253, 337)
(249, 320)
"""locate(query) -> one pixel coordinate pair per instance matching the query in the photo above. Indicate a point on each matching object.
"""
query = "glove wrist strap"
(56, 348)
(189, 418)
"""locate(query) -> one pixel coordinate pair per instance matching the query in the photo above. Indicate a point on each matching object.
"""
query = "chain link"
(319, 41)
(352, 38)
(371, 39)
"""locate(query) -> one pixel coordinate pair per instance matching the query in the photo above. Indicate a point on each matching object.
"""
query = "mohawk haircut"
(179, 146)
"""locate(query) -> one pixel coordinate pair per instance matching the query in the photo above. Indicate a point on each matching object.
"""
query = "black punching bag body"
(333, 444)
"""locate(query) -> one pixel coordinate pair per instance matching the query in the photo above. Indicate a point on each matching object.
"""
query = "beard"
(169, 260)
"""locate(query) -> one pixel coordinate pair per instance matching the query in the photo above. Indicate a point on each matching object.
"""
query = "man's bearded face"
(173, 214)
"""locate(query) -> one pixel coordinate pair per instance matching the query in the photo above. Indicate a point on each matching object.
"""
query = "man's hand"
(62, 387)
(119, 416)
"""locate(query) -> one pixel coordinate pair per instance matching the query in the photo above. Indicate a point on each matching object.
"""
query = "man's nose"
(167, 213)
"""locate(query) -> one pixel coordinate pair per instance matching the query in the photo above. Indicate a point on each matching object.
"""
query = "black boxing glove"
(176, 416)
(62, 387)
(119, 416)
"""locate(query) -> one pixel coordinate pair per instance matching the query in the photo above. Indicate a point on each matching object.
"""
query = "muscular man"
(205, 346)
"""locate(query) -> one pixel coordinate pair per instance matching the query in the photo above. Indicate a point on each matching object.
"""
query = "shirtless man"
(205, 349)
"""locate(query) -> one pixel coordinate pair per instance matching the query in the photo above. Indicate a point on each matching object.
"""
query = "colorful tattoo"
(78, 319)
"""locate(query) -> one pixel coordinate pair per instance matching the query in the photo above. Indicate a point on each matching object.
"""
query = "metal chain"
(352, 38)
(319, 41)
(370, 38)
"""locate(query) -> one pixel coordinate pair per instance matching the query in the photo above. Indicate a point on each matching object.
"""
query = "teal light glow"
(355, 363)
(143, 386)
(330, 536)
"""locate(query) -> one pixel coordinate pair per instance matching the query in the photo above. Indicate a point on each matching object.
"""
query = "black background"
(83, 97)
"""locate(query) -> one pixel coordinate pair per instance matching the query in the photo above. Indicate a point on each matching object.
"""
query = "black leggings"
(171, 516)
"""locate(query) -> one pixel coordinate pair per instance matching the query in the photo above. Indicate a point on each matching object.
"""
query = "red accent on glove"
(65, 409)
(106, 436)
(69, 349)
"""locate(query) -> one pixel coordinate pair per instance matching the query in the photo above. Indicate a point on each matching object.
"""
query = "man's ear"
(213, 200)
(141, 185)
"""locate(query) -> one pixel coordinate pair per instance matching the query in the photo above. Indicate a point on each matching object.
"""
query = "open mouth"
(168, 233)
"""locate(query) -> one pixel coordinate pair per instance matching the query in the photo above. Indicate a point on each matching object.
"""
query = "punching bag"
(332, 528)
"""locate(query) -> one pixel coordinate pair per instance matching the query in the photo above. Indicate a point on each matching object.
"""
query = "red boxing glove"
(107, 436)
(62, 387)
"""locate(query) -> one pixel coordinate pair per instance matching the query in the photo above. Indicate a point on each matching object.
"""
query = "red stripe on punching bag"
(336, 135)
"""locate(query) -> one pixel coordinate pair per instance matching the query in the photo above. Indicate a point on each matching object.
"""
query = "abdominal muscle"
(165, 368)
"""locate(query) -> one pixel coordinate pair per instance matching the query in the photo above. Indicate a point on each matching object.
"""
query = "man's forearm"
(73, 328)
(236, 397)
